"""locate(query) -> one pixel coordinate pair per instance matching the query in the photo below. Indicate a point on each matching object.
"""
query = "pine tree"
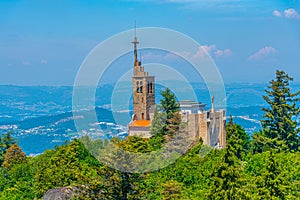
(5, 142)
(227, 179)
(8, 140)
(173, 124)
(271, 184)
(242, 139)
(169, 107)
(278, 122)
(158, 122)
(168, 103)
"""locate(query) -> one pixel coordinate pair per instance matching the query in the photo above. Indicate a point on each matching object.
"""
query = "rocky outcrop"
(64, 193)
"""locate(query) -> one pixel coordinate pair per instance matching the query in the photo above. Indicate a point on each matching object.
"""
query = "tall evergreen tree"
(278, 122)
(271, 184)
(173, 124)
(165, 120)
(158, 121)
(8, 140)
(227, 177)
(242, 139)
(5, 142)
(169, 107)
(168, 103)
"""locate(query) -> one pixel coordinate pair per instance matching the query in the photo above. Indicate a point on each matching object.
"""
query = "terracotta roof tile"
(140, 123)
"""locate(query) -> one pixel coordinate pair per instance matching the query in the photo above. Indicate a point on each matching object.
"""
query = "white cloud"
(202, 52)
(209, 48)
(223, 53)
(212, 51)
(262, 53)
(291, 14)
(277, 13)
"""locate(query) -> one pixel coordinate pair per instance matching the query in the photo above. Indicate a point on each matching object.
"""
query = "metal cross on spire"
(135, 42)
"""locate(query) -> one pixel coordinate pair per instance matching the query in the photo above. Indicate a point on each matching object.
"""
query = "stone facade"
(143, 89)
(208, 125)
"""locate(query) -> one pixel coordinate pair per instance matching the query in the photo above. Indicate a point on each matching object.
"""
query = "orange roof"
(140, 123)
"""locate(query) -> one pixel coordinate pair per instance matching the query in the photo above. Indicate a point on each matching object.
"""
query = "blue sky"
(44, 42)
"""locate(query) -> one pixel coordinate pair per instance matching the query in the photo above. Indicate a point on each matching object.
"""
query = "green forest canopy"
(266, 166)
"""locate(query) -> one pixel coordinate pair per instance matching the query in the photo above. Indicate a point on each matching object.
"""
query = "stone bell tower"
(143, 89)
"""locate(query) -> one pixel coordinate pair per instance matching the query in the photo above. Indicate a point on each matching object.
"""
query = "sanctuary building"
(200, 123)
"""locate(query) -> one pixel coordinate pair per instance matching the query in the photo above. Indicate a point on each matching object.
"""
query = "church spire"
(135, 42)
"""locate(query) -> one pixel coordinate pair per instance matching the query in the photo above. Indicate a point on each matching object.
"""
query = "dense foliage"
(218, 175)
(265, 167)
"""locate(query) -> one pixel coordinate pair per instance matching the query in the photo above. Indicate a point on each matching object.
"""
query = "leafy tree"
(172, 190)
(18, 182)
(120, 155)
(278, 123)
(93, 146)
(68, 165)
(219, 172)
(135, 144)
(156, 141)
(14, 155)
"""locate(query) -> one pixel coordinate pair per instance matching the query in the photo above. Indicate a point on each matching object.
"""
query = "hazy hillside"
(41, 115)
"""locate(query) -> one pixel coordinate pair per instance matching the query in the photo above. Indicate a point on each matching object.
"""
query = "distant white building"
(191, 107)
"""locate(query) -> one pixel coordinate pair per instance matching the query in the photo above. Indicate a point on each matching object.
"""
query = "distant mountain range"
(41, 116)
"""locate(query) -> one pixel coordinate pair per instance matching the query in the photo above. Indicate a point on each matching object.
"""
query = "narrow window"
(148, 87)
(137, 87)
(151, 87)
(141, 87)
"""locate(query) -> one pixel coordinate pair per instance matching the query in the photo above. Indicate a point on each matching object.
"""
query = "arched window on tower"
(137, 87)
(151, 87)
(141, 87)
